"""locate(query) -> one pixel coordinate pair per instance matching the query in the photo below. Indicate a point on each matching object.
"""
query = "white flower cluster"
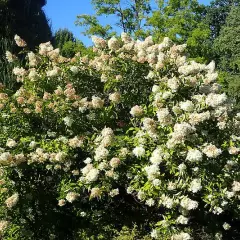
(139, 151)
(71, 197)
(194, 155)
(12, 201)
(188, 204)
(212, 151)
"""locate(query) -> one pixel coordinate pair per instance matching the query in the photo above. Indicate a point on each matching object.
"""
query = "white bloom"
(156, 157)
(152, 171)
(87, 160)
(210, 77)
(182, 220)
(139, 151)
(5, 158)
(72, 196)
(12, 201)
(234, 150)
(99, 42)
(167, 202)
(150, 202)
(107, 132)
(214, 100)
(86, 169)
(229, 194)
(136, 111)
(150, 75)
(218, 236)
(196, 118)
(33, 61)
(60, 156)
(141, 195)
(54, 72)
(97, 102)
(226, 226)
(188, 204)
(19, 41)
(212, 151)
(125, 37)
(101, 153)
(92, 175)
(113, 44)
(164, 117)
(149, 124)
(3, 225)
(74, 69)
(68, 121)
(20, 72)
(195, 185)
(130, 190)
(10, 57)
(154, 233)
(182, 167)
(19, 158)
(173, 84)
(75, 142)
(211, 67)
(194, 155)
(181, 236)
(54, 54)
(95, 192)
(11, 143)
(103, 165)
(114, 163)
(217, 210)
(236, 186)
(61, 202)
(171, 186)
(33, 75)
(177, 110)
(104, 78)
(167, 95)
(45, 48)
(187, 106)
(155, 88)
(156, 182)
(123, 152)
(114, 192)
(115, 97)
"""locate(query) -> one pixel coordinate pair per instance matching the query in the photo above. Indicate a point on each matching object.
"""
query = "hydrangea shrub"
(137, 134)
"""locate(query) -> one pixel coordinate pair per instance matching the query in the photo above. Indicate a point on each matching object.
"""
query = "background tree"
(227, 48)
(217, 13)
(62, 36)
(68, 44)
(182, 22)
(92, 26)
(130, 15)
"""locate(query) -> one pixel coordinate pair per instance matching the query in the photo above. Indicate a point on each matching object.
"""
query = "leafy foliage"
(227, 48)
(135, 143)
(217, 13)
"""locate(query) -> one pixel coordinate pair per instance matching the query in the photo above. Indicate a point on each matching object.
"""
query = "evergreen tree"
(62, 36)
(68, 44)
(25, 18)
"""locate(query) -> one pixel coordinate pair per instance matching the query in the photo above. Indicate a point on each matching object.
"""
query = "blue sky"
(62, 14)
